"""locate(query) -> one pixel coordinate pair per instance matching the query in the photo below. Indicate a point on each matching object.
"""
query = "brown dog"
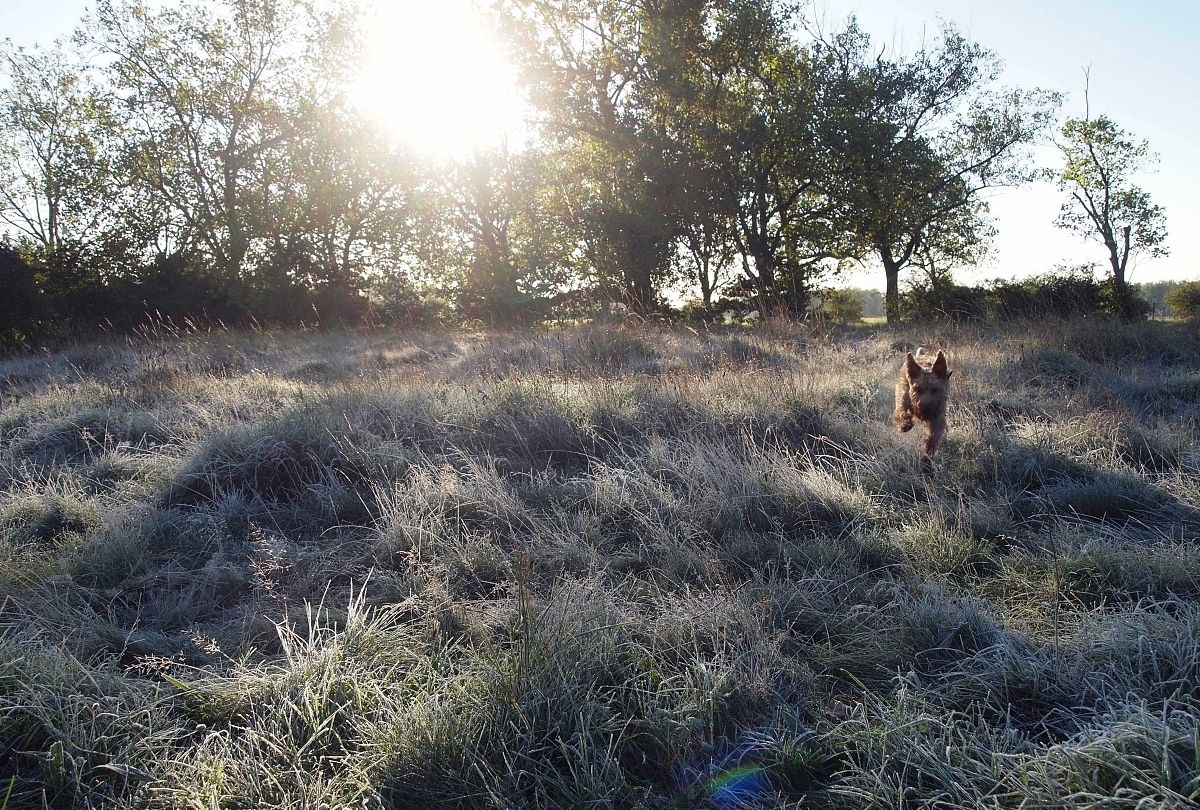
(921, 394)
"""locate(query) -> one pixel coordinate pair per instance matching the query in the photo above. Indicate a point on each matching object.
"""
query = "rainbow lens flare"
(739, 786)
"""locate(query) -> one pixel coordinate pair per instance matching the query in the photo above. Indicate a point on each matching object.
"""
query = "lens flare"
(437, 77)
(739, 786)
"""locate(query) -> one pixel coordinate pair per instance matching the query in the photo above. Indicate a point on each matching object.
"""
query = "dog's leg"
(903, 415)
(937, 429)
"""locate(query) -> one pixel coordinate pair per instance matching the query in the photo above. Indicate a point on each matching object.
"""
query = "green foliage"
(1183, 300)
(179, 288)
(1122, 301)
(905, 190)
(1100, 161)
(396, 302)
(923, 301)
(1065, 292)
(56, 176)
(23, 308)
(202, 163)
(1154, 292)
(842, 306)
(610, 140)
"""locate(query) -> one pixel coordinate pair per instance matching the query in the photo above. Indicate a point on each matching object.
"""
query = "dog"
(922, 391)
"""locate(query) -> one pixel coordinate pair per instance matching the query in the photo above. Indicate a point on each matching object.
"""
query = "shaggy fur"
(922, 391)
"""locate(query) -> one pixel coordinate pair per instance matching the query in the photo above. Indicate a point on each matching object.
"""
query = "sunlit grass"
(600, 565)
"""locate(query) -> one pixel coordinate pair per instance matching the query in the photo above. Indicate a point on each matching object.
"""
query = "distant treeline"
(1062, 292)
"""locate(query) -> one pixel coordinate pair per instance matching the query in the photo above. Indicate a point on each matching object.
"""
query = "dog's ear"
(939, 367)
(911, 367)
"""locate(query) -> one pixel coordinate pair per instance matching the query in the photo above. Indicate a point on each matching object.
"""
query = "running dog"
(922, 391)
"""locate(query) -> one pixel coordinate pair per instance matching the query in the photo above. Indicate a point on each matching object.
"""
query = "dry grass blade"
(600, 566)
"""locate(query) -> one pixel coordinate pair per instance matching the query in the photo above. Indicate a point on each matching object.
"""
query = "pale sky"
(1145, 74)
(1144, 59)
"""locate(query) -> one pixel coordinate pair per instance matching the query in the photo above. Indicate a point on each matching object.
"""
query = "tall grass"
(604, 566)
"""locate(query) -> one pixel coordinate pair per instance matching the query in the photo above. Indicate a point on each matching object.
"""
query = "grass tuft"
(622, 565)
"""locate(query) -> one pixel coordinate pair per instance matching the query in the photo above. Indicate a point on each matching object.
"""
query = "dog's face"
(927, 387)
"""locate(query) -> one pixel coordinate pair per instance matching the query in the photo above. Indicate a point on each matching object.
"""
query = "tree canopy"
(1100, 160)
(205, 159)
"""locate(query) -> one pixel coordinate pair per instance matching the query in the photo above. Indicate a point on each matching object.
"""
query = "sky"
(1144, 65)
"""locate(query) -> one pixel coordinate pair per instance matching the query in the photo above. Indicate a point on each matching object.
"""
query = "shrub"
(1183, 300)
(951, 301)
(842, 306)
(23, 308)
(339, 303)
(394, 301)
(695, 311)
(1063, 292)
(177, 287)
(1123, 302)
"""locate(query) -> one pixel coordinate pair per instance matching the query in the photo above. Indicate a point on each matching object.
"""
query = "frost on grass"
(616, 566)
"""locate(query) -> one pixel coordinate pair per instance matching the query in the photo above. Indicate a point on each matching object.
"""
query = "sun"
(436, 76)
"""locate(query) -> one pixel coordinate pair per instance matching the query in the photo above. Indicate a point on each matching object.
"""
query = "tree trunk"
(1119, 261)
(639, 290)
(704, 277)
(763, 261)
(239, 242)
(642, 249)
(891, 297)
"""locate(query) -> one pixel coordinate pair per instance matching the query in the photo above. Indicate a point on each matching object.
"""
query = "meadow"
(601, 566)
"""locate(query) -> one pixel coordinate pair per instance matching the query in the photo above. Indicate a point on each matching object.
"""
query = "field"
(602, 566)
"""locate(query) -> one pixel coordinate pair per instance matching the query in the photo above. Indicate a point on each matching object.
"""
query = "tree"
(910, 146)
(55, 179)
(842, 306)
(708, 238)
(743, 108)
(683, 128)
(1100, 160)
(596, 70)
(338, 203)
(786, 233)
(213, 93)
(486, 210)
(61, 196)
